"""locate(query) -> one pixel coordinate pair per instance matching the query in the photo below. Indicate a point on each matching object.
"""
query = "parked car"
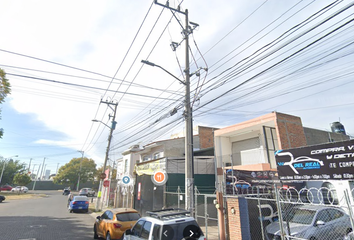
(20, 189)
(87, 192)
(2, 198)
(79, 203)
(169, 224)
(113, 223)
(66, 191)
(312, 222)
(5, 188)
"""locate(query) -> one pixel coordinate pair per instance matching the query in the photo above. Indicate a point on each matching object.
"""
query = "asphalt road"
(43, 219)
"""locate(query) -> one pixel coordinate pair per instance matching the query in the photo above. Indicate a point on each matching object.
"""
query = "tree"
(69, 173)
(22, 179)
(5, 89)
(12, 167)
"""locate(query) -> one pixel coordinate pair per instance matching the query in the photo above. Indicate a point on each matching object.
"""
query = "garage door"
(246, 152)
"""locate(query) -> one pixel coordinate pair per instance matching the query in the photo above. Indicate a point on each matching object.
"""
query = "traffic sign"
(102, 176)
(106, 183)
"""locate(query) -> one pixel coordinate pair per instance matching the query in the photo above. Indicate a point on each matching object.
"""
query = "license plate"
(80, 207)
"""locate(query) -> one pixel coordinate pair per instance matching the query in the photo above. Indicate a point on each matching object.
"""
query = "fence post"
(196, 202)
(206, 215)
(178, 195)
(260, 212)
(282, 234)
(347, 199)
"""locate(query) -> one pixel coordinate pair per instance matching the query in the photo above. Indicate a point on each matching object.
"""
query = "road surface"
(43, 219)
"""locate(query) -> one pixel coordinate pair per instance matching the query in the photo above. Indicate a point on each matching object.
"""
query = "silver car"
(312, 222)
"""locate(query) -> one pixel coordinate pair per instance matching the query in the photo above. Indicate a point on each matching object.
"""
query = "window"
(158, 155)
(109, 215)
(335, 214)
(323, 216)
(146, 158)
(137, 228)
(105, 215)
(127, 217)
(126, 165)
(146, 230)
(156, 232)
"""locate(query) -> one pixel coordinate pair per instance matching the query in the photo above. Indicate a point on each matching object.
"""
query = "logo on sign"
(159, 178)
(303, 162)
(127, 180)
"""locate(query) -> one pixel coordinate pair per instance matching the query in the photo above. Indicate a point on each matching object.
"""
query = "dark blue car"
(79, 203)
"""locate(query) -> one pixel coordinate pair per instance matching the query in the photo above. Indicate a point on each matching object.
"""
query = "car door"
(340, 223)
(324, 231)
(141, 230)
(102, 223)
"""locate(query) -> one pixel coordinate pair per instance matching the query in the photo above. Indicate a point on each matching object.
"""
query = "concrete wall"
(315, 136)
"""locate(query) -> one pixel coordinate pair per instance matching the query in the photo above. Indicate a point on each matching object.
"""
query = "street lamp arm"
(95, 120)
(155, 65)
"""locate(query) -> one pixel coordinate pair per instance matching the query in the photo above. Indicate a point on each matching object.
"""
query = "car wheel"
(95, 236)
(108, 236)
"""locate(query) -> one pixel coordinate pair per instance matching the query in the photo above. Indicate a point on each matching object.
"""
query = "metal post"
(78, 180)
(99, 202)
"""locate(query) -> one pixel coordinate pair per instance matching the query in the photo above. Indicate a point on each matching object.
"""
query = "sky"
(66, 60)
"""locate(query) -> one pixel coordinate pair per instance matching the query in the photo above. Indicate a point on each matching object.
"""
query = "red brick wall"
(206, 137)
(234, 221)
(290, 131)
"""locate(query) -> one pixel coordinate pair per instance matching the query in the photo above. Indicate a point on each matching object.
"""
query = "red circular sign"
(106, 183)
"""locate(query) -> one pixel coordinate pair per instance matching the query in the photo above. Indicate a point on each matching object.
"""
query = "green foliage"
(12, 167)
(22, 179)
(5, 89)
(69, 173)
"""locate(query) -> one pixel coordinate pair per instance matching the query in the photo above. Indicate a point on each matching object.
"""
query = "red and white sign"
(139, 191)
(106, 183)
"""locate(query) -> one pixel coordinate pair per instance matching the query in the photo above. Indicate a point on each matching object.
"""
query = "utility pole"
(29, 166)
(113, 126)
(57, 169)
(40, 177)
(189, 165)
(35, 181)
(78, 180)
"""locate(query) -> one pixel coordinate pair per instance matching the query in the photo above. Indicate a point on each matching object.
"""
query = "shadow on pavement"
(43, 228)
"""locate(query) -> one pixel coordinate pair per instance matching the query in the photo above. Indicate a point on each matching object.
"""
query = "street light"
(3, 168)
(98, 202)
(155, 65)
(189, 165)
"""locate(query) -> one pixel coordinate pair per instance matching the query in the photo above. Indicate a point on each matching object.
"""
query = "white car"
(20, 189)
(167, 224)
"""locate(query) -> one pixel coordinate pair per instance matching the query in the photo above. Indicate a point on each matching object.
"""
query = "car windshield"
(176, 231)
(127, 217)
(302, 216)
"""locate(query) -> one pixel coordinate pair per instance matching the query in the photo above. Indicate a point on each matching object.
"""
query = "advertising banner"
(149, 168)
(333, 161)
(241, 181)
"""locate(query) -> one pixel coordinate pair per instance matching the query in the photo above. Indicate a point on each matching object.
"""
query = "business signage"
(333, 161)
(241, 181)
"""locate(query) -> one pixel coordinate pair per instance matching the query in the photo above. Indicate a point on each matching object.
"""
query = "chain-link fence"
(205, 211)
(287, 213)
